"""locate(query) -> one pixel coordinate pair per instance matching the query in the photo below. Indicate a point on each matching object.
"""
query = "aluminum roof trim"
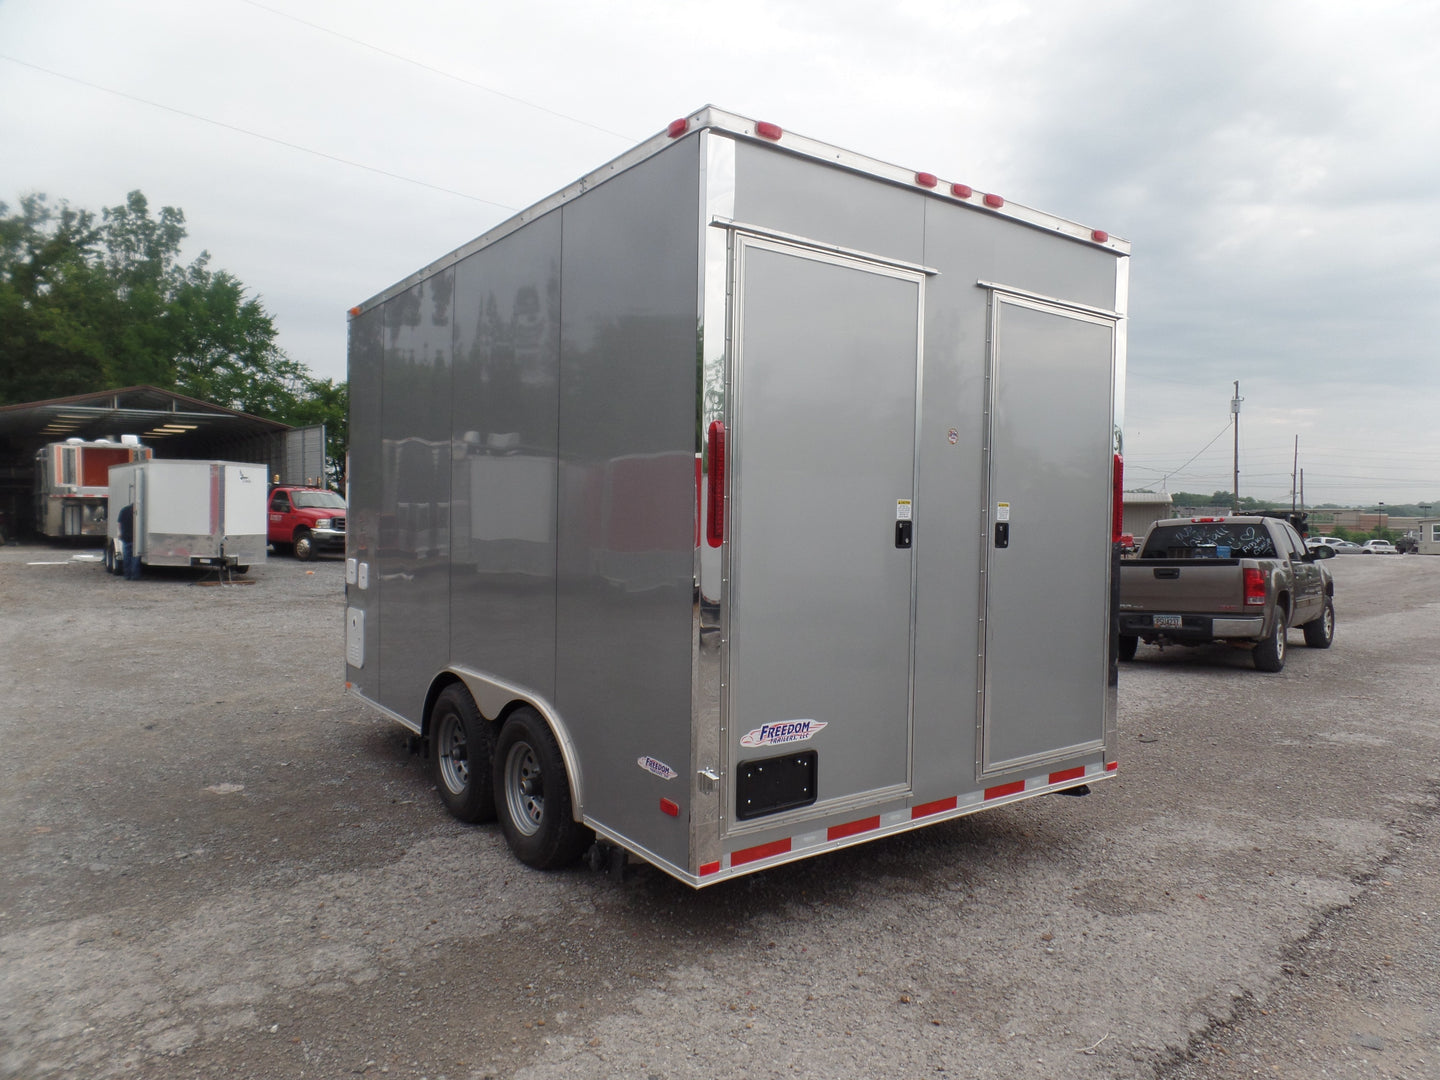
(711, 118)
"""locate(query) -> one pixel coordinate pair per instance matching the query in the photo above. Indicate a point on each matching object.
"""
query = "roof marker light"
(964, 191)
(677, 128)
(767, 130)
(1099, 236)
(354, 311)
(925, 179)
(994, 201)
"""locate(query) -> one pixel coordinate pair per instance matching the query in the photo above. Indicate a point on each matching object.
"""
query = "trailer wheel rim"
(452, 750)
(524, 788)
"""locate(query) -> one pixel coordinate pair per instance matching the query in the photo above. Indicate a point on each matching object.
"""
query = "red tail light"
(1254, 587)
(715, 486)
(1117, 511)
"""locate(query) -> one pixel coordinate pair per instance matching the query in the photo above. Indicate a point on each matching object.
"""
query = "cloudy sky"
(1276, 165)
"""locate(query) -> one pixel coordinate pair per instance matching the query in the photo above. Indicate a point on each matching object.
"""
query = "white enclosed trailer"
(745, 500)
(190, 513)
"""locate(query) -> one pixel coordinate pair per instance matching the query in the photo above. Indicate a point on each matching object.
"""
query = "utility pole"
(1235, 479)
(1294, 473)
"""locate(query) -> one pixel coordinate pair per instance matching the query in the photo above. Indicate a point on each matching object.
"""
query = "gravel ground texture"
(215, 863)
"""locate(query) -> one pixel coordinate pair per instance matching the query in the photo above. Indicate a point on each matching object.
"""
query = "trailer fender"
(495, 698)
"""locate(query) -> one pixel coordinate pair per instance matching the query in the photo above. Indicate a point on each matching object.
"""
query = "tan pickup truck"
(1240, 580)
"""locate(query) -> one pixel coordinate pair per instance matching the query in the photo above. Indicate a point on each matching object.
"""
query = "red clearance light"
(1099, 235)
(354, 311)
(1117, 501)
(1255, 587)
(767, 130)
(670, 807)
(715, 486)
(994, 201)
(964, 191)
(925, 179)
(677, 128)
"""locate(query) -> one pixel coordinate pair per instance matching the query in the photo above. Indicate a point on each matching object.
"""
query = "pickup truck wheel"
(1269, 655)
(1128, 644)
(463, 743)
(532, 794)
(304, 545)
(1319, 633)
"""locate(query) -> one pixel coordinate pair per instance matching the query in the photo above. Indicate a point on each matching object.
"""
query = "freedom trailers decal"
(658, 768)
(786, 731)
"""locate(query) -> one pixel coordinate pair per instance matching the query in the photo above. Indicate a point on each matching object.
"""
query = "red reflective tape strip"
(1005, 789)
(1111, 766)
(760, 851)
(1067, 774)
(939, 806)
(709, 868)
(851, 828)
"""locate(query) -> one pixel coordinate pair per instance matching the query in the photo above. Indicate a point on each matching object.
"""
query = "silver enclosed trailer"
(190, 513)
(746, 500)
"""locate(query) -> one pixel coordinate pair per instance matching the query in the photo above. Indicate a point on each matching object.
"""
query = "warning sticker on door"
(902, 509)
(1002, 511)
(786, 731)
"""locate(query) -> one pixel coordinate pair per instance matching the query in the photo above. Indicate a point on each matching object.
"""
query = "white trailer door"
(826, 357)
(1047, 556)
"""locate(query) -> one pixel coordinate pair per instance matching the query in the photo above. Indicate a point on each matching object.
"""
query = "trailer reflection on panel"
(704, 510)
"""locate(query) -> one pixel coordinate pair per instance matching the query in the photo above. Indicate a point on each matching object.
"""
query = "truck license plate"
(1166, 622)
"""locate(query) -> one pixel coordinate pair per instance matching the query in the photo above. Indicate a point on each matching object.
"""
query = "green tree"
(89, 304)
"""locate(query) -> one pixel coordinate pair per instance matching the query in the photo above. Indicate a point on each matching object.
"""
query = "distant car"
(1326, 547)
(1378, 547)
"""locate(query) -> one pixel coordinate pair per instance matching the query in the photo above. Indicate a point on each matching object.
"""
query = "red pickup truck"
(309, 520)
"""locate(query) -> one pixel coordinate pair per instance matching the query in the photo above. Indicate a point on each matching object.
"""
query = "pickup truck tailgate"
(1182, 586)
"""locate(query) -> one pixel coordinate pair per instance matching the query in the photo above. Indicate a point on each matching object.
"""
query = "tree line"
(98, 302)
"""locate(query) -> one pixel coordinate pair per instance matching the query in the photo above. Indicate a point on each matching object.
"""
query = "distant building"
(1141, 509)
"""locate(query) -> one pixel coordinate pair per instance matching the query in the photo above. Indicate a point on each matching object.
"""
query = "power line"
(255, 134)
(1197, 453)
(437, 71)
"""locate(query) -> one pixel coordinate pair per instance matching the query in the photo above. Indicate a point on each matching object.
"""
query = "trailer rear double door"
(830, 519)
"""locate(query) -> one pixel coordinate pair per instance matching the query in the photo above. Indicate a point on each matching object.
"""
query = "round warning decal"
(952, 436)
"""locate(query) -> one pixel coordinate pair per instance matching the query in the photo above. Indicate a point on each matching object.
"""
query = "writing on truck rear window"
(1209, 540)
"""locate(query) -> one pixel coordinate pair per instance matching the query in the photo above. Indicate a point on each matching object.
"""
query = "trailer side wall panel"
(503, 488)
(628, 384)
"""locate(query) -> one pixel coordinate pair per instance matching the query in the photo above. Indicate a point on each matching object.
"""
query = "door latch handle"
(903, 533)
(1002, 534)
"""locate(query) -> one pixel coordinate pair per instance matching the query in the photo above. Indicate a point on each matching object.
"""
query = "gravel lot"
(214, 863)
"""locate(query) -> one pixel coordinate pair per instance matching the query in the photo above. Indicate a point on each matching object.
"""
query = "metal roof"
(159, 417)
(1146, 498)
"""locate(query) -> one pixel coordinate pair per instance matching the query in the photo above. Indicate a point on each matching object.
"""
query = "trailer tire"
(304, 546)
(532, 795)
(109, 558)
(1127, 646)
(1269, 655)
(462, 744)
(1319, 633)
